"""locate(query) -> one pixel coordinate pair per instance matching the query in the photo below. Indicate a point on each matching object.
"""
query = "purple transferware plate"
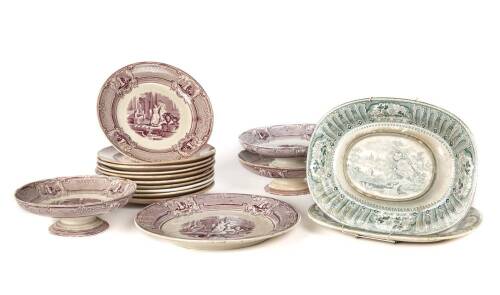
(111, 156)
(155, 112)
(105, 168)
(76, 201)
(279, 141)
(218, 221)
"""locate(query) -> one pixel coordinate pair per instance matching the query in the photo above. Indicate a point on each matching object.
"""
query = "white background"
(261, 63)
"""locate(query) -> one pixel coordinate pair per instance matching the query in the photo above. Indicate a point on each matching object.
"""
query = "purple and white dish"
(174, 194)
(174, 185)
(148, 201)
(288, 174)
(175, 180)
(218, 221)
(154, 112)
(156, 177)
(146, 190)
(279, 141)
(76, 201)
(112, 157)
(201, 165)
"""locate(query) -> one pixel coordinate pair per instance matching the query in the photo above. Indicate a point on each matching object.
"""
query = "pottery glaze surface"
(392, 166)
(76, 201)
(279, 141)
(218, 221)
(470, 222)
(154, 112)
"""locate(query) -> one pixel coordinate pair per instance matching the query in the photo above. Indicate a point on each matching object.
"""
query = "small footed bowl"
(76, 201)
(288, 174)
(278, 141)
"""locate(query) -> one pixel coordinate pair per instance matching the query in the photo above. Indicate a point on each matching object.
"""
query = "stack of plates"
(158, 119)
(159, 180)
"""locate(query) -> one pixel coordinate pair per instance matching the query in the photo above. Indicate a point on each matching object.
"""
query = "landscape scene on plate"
(390, 166)
(153, 116)
(215, 227)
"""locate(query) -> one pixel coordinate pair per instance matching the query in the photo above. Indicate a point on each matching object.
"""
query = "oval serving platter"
(154, 112)
(393, 166)
(471, 221)
(218, 221)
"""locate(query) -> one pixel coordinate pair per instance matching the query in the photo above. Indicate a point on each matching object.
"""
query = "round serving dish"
(393, 166)
(279, 141)
(154, 112)
(76, 201)
(218, 221)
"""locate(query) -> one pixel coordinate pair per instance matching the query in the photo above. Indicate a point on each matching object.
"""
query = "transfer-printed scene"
(153, 115)
(390, 167)
(215, 227)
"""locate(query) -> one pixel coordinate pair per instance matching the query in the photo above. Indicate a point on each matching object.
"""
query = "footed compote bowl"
(278, 152)
(288, 174)
(76, 201)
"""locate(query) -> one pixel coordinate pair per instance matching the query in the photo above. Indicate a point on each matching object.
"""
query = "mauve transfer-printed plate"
(218, 221)
(279, 141)
(112, 157)
(155, 112)
(200, 165)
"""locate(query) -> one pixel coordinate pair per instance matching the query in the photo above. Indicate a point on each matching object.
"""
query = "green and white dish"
(391, 165)
(471, 221)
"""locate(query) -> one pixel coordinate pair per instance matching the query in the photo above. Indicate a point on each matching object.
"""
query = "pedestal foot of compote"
(78, 227)
(288, 187)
